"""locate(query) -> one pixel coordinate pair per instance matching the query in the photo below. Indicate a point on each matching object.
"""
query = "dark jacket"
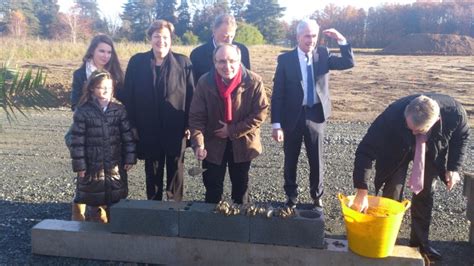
(201, 57)
(287, 96)
(160, 127)
(101, 143)
(249, 110)
(79, 77)
(391, 143)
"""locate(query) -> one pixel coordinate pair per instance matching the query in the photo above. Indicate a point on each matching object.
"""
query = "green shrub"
(248, 34)
(189, 38)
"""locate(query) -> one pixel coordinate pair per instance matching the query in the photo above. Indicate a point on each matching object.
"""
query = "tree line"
(260, 21)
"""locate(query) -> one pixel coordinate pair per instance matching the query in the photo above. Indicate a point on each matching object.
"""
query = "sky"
(295, 9)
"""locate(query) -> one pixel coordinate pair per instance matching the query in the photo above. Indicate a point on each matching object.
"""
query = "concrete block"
(87, 240)
(470, 208)
(468, 188)
(146, 217)
(306, 229)
(200, 221)
(471, 233)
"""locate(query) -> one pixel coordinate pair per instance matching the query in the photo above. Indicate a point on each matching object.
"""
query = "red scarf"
(225, 90)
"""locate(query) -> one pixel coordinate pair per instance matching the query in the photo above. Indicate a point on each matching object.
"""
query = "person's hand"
(127, 167)
(361, 201)
(222, 132)
(277, 134)
(187, 134)
(452, 178)
(200, 153)
(81, 173)
(334, 34)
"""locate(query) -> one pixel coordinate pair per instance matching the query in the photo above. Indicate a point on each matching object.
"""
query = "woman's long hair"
(113, 66)
(92, 82)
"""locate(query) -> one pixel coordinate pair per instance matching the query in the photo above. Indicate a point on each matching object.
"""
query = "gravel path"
(36, 184)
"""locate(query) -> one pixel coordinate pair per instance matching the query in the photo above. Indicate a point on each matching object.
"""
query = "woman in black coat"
(157, 93)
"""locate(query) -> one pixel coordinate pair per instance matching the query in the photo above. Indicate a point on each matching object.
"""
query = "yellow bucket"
(373, 234)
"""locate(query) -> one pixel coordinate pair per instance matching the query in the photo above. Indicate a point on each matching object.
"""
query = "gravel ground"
(36, 184)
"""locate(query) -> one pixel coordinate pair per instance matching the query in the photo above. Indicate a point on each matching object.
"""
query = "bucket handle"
(407, 204)
(342, 198)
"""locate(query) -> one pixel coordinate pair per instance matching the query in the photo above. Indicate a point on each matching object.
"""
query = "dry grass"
(358, 94)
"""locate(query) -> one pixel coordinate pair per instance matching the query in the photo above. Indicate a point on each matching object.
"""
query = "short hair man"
(227, 109)
(301, 104)
(429, 129)
(223, 31)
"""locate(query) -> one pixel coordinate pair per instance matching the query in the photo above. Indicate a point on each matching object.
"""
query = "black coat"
(201, 57)
(160, 127)
(390, 142)
(79, 77)
(101, 143)
(287, 96)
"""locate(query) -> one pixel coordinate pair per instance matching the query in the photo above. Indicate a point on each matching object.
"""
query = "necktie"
(417, 172)
(309, 84)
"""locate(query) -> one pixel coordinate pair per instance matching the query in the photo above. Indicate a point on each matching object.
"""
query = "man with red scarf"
(227, 109)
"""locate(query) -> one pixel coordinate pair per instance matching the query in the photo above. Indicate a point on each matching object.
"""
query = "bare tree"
(18, 25)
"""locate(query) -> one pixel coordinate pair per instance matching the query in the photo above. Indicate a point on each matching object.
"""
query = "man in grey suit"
(301, 104)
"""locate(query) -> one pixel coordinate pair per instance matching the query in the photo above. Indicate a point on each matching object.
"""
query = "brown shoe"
(78, 212)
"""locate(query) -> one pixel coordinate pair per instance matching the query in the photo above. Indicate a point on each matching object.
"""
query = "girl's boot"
(78, 212)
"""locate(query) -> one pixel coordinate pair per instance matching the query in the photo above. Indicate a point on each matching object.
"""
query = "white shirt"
(304, 74)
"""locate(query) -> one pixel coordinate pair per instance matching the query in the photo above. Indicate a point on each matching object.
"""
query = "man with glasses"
(227, 109)
(432, 131)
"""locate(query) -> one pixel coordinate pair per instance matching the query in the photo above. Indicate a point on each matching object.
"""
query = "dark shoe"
(290, 202)
(318, 205)
(431, 253)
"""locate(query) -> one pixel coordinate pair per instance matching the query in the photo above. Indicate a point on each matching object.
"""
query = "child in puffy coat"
(102, 148)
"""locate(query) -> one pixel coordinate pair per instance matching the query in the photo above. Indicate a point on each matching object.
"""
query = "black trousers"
(154, 171)
(312, 133)
(421, 205)
(213, 178)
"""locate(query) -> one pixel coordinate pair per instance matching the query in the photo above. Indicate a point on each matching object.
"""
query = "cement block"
(468, 188)
(471, 233)
(146, 217)
(200, 221)
(87, 240)
(470, 208)
(306, 229)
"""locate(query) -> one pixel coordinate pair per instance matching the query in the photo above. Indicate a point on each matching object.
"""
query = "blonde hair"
(95, 79)
(423, 111)
(159, 25)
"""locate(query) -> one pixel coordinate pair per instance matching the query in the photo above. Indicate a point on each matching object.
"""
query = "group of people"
(215, 104)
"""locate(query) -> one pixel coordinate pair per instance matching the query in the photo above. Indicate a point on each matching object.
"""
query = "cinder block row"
(198, 220)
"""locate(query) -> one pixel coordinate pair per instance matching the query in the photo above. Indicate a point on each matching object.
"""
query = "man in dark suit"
(430, 130)
(301, 104)
(223, 31)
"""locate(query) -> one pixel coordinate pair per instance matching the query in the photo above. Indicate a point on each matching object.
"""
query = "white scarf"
(90, 67)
